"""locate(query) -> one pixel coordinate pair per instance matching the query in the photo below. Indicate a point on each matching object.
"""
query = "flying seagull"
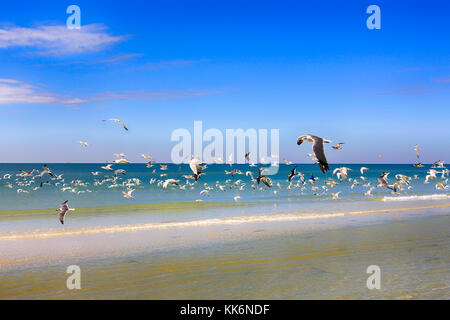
(416, 148)
(62, 211)
(338, 146)
(382, 179)
(317, 148)
(118, 121)
(84, 144)
(292, 174)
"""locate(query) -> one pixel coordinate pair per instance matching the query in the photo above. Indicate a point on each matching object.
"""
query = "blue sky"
(160, 65)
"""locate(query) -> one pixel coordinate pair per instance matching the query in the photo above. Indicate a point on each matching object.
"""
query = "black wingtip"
(323, 166)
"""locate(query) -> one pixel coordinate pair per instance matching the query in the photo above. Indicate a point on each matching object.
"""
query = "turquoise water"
(164, 244)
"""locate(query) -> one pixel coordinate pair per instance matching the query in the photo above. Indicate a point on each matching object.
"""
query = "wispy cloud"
(58, 40)
(15, 92)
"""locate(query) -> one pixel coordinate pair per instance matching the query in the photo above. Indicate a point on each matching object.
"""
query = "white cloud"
(58, 40)
(14, 92)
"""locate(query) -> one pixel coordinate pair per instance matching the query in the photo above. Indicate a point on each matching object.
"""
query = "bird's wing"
(320, 153)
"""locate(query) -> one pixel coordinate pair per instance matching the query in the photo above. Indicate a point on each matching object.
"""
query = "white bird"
(237, 198)
(128, 194)
(117, 121)
(363, 169)
(166, 183)
(107, 167)
(335, 195)
(84, 144)
(121, 160)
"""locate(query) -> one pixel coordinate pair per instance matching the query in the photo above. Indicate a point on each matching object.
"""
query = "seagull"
(46, 170)
(369, 192)
(128, 194)
(292, 174)
(382, 179)
(287, 162)
(317, 148)
(363, 169)
(335, 195)
(108, 167)
(146, 157)
(84, 144)
(338, 146)
(43, 183)
(118, 121)
(343, 172)
(194, 164)
(24, 174)
(237, 198)
(119, 171)
(166, 182)
(119, 155)
(121, 160)
(62, 211)
(416, 148)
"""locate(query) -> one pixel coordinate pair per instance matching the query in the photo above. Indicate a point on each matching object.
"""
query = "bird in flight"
(107, 167)
(416, 148)
(128, 194)
(338, 146)
(292, 174)
(382, 179)
(63, 210)
(317, 148)
(117, 121)
(84, 144)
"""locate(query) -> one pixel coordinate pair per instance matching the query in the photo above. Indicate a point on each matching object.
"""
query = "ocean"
(180, 239)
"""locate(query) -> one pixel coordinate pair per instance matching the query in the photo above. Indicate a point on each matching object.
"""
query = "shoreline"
(318, 264)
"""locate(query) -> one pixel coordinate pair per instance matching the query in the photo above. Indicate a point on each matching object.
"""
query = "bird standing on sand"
(317, 148)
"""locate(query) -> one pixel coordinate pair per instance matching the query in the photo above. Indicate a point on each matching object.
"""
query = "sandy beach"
(296, 259)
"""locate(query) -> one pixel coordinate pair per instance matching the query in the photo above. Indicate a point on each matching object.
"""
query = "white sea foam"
(200, 223)
(423, 197)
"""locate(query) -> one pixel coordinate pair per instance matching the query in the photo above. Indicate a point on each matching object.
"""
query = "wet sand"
(294, 263)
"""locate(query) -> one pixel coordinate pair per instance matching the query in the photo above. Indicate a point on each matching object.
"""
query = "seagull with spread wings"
(317, 148)
(117, 121)
(63, 210)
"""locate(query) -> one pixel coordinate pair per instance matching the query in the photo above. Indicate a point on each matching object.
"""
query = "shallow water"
(164, 245)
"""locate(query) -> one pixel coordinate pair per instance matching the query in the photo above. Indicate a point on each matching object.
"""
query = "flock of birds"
(114, 178)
